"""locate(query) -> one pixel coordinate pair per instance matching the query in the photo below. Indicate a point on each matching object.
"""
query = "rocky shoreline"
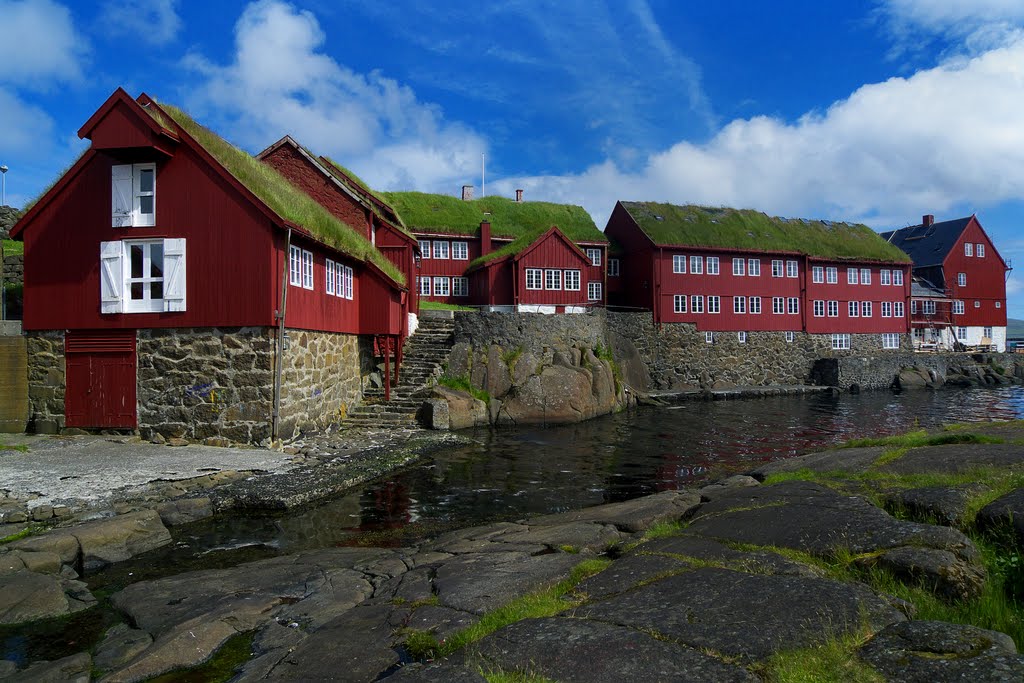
(740, 580)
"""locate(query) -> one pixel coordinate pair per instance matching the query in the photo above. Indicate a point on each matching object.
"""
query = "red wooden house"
(726, 270)
(478, 252)
(175, 284)
(351, 201)
(958, 258)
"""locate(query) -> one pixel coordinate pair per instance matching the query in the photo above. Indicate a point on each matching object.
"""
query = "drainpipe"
(279, 353)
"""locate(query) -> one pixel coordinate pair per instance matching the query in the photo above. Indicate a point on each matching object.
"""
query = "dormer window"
(133, 195)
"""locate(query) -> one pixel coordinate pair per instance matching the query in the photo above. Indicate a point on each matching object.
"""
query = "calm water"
(507, 474)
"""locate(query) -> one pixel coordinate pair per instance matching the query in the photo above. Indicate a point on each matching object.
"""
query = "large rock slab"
(559, 394)
(1005, 512)
(483, 581)
(630, 516)
(938, 652)
(955, 458)
(946, 505)
(72, 669)
(27, 596)
(852, 460)
(747, 616)
(582, 651)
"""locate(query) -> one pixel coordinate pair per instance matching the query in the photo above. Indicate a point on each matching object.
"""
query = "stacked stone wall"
(537, 333)
(322, 378)
(46, 381)
(14, 269)
(206, 382)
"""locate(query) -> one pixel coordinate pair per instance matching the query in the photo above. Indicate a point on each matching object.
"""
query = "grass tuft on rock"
(221, 667)
(500, 676)
(462, 383)
(922, 438)
(834, 661)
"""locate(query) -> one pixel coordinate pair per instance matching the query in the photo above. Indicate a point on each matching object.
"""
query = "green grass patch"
(834, 661)
(13, 248)
(221, 667)
(500, 676)
(543, 603)
(24, 533)
(462, 383)
(20, 447)
(670, 224)
(439, 306)
(663, 530)
(922, 438)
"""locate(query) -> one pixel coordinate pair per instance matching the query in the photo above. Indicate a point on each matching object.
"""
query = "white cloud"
(23, 126)
(974, 26)
(40, 44)
(155, 22)
(886, 153)
(282, 82)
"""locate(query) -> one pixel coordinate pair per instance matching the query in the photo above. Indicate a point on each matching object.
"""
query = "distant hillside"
(1014, 327)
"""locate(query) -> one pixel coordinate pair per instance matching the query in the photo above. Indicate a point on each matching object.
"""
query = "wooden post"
(387, 370)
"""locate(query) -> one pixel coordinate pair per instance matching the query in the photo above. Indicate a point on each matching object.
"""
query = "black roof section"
(928, 245)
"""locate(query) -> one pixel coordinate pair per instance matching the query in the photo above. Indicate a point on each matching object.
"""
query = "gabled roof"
(745, 229)
(438, 213)
(922, 289)
(523, 245)
(928, 245)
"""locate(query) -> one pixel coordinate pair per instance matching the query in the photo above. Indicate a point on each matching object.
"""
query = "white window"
(696, 304)
(424, 286)
(742, 337)
(980, 251)
(958, 307)
(572, 280)
(534, 278)
(865, 276)
(460, 252)
(987, 331)
(754, 267)
(833, 309)
(329, 267)
(913, 306)
(790, 337)
(307, 269)
(968, 249)
(139, 276)
(999, 304)
(977, 304)
(295, 266)
(819, 308)
(755, 304)
(595, 256)
(442, 286)
(714, 304)
(865, 309)
(792, 269)
(739, 267)
(712, 265)
(133, 195)
(347, 289)
(831, 275)
(425, 249)
(961, 333)
(678, 263)
(961, 279)
(679, 303)
(613, 267)
(883, 276)
(897, 278)
(818, 274)
(778, 305)
(886, 309)
(854, 309)
(840, 341)
(709, 337)
(593, 291)
(776, 268)
(898, 311)
(696, 265)
(739, 304)
(460, 286)
(552, 279)
(890, 340)
(441, 249)
(793, 305)
(929, 307)
(851, 276)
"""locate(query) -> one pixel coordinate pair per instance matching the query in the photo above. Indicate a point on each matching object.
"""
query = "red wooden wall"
(552, 252)
(986, 280)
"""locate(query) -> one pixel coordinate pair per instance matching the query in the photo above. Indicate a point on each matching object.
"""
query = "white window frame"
(831, 275)
(853, 309)
(295, 266)
(818, 274)
(897, 278)
(819, 308)
(792, 269)
(330, 279)
(709, 337)
(865, 276)
(958, 307)
(833, 308)
(890, 340)
(307, 269)
(441, 249)
(793, 305)
(898, 310)
(460, 286)
(349, 279)
(778, 305)
(886, 309)
(442, 286)
(116, 280)
(425, 282)
(696, 265)
(790, 337)
(714, 304)
(999, 304)
(777, 267)
(425, 249)
(884, 277)
(929, 307)
(126, 195)
(841, 342)
(968, 249)
(741, 337)
(865, 309)
(739, 267)
(460, 251)
(754, 305)
(979, 250)
(534, 279)
(754, 267)
(961, 279)
(739, 305)
(594, 256)
(852, 276)
(712, 265)
(679, 303)
(977, 304)
(961, 333)
(696, 303)
(594, 292)
(553, 279)
(613, 267)
(679, 264)
(571, 278)
(986, 331)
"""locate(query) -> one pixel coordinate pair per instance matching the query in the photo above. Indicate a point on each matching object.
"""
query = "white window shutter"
(121, 195)
(111, 278)
(174, 275)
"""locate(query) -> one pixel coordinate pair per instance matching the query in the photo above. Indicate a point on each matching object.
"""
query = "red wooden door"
(100, 379)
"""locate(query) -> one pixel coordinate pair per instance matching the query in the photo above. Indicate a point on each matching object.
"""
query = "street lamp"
(3, 191)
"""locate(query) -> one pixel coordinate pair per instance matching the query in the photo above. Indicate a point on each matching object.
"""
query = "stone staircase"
(424, 355)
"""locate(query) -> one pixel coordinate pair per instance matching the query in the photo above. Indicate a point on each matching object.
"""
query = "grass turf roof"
(444, 213)
(511, 249)
(393, 217)
(282, 197)
(670, 224)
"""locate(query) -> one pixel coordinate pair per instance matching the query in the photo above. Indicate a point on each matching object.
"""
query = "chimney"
(519, 196)
(467, 193)
(485, 237)
(927, 220)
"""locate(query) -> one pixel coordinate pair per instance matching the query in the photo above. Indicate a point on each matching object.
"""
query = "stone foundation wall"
(322, 378)
(46, 381)
(206, 382)
(14, 269)
(534, 332)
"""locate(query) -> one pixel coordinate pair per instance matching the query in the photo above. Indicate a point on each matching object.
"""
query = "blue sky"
(878, 111)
